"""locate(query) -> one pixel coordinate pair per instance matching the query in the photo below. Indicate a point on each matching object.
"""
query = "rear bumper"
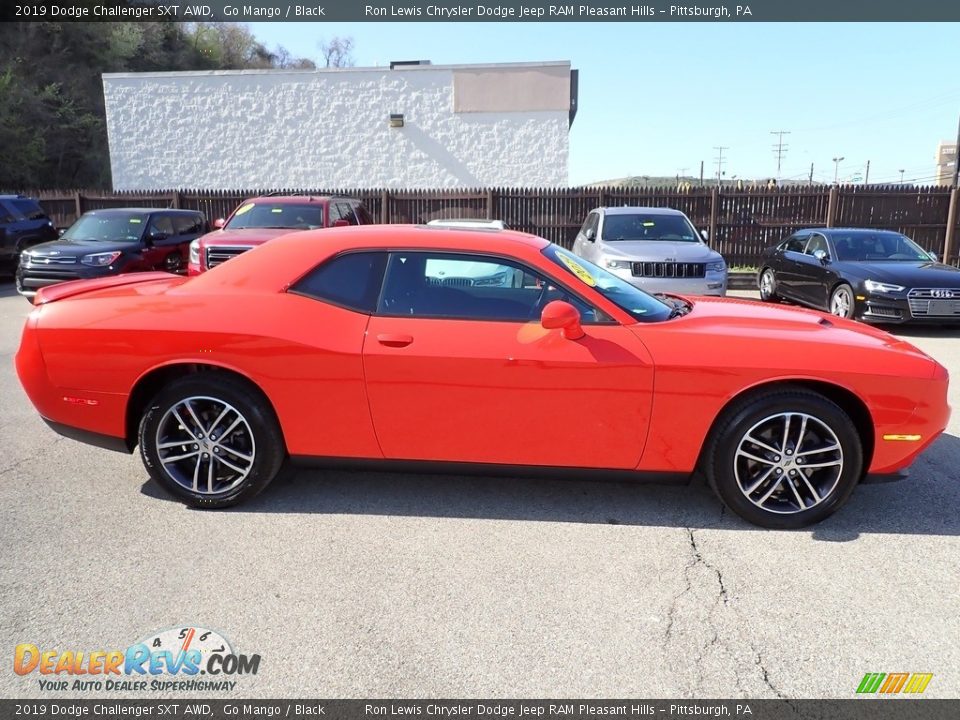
(100, 440)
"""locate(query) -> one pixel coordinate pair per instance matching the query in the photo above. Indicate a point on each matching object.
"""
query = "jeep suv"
(23, 223)
(655, 249)
(260, 219)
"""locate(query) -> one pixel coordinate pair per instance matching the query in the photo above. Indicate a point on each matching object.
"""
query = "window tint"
(6, 214)
(351, 280)
(333, 211)
(795, 244)
(451, 285)
(161, 224)
(346, 213)
(188, 224)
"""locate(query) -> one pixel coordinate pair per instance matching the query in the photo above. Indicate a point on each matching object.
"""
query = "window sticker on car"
(276, 210)
(649, 223)
(244, 209)
(135, 220)
(579, 270)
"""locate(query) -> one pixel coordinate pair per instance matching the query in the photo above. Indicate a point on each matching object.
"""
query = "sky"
(657, 98)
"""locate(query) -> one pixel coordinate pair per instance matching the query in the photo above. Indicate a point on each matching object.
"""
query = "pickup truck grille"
(220, 254)
(668, 269)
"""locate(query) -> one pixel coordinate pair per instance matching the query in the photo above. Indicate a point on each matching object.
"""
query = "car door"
(789, 272)
(585, 243)
(465, 372)
(815, 277)
(160, 237)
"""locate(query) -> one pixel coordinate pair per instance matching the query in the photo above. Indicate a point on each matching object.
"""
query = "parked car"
(458, 273)
(877, 276)
(334, 344)
(111, 242)
(23, 224)
(656, 249)
(260, 219)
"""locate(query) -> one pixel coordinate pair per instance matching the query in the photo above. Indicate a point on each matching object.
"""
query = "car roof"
(633, 209)
(277, 263)
(850, 231)
(177, 211)
(292, 199)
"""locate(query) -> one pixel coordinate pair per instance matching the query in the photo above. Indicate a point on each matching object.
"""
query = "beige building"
(946, 162)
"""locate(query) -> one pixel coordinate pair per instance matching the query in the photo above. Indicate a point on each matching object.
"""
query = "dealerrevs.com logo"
(178, 659)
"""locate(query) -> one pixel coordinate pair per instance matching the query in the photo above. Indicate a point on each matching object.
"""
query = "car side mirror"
(61, 231)
(934, 256)
(341, 223)
(590, 234)
(705, 234)
(563, 316)
(822, 256)
(218, 223)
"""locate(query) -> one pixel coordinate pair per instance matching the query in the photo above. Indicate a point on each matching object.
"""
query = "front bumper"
(31, 278)
(881, 309)
(713, 284)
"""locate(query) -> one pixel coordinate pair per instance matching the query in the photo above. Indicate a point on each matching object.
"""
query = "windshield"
(640, 305)
(277, 215)
(107, 228)
(675, 228)
(870, 247)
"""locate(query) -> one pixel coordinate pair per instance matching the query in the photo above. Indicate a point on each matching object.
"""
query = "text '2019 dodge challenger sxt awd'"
(347, 346)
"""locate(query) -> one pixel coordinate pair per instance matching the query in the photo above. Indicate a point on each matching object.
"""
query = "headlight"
(718, 266)
(616, 264)
(879, 287)
(24, 258)
(195, 252)
(100, 259)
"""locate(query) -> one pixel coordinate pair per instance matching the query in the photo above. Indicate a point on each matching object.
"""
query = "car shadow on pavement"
(7, 287)
(923, 504)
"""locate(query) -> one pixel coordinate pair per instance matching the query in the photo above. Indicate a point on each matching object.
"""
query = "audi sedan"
(347, 350)
(878, 276)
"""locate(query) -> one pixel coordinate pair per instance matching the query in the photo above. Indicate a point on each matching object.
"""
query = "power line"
(779, 149)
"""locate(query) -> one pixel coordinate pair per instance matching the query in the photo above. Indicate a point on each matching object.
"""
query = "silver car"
(656, 249)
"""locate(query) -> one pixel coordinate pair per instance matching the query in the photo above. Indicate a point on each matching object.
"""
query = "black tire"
(843, 289)
(768, 295)
(725, 468)
(258, 435)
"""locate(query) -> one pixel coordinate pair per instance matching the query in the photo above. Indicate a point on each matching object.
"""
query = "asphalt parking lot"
(384, 585)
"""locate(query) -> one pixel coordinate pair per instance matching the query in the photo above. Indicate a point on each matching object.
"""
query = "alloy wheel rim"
(788, 463)
(205, 445)
(766, 283)
(841, 303)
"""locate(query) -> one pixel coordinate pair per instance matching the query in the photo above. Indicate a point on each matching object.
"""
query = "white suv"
(656, 249)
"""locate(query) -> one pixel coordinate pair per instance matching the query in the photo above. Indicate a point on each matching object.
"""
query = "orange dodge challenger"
(473, 349)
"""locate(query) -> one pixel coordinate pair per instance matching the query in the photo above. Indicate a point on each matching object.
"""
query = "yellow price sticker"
(135, 220)
(244, 209)
(579, 270)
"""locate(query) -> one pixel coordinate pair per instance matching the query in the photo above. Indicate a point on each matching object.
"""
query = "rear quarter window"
(351, 280)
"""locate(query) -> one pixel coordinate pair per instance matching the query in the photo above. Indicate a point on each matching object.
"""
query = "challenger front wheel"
(207, 440)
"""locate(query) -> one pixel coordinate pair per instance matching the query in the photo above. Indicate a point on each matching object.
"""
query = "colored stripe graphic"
(894, 683)
(918, 682)
(870, 682)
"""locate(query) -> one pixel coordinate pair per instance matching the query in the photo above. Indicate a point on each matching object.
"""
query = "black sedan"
(877, 276)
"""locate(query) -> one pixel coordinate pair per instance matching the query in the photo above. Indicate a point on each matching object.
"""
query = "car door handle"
(394, 340)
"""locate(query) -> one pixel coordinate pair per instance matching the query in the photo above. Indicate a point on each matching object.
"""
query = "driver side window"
(468, 287)
(817, 242)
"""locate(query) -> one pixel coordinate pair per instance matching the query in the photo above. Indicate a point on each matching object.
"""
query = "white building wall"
(322, 129)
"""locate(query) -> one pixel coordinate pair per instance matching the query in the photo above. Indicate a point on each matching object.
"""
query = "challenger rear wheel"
(784, 459)
(210, 441)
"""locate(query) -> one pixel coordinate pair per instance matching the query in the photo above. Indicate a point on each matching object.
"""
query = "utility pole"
(779, 149)
(719, 159)
(866, 175)
(956, 161)
(811, 173)
(701, 173)
(836, 168)
(901, 177)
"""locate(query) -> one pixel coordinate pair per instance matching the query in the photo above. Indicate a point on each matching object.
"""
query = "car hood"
(659, 250)
(244, 236)
(909, 274)
(79, 248)
(732, 318)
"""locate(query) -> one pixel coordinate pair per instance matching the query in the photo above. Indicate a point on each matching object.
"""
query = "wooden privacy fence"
(740, 223)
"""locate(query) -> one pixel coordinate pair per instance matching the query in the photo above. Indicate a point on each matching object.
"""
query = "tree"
(337, 52)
